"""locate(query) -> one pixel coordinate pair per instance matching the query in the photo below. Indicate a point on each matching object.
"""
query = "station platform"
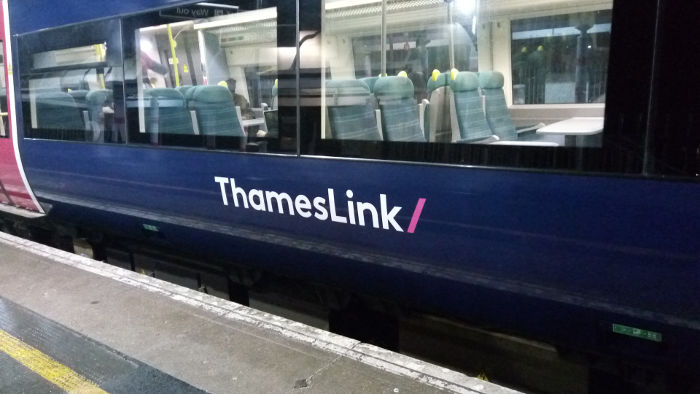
(72, 324)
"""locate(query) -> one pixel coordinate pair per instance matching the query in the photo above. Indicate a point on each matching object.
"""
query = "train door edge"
(24, 202)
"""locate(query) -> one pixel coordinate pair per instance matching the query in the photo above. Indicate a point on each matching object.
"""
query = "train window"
(71, 82)
(560, 59)
(207, 75)
(497, 82)
(4, 116)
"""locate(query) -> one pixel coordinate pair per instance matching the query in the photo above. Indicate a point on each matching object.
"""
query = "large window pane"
(208, 82)
(561, 59)
(71, 82)
(431, 71)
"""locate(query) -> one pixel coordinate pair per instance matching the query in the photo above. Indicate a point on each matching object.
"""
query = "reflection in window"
(450, 72)
(69, 95)
(561, 58)
(208, 82)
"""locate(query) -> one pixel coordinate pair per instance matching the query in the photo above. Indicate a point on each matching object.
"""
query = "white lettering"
(279, 197)
(318, 207)
(364, 206)
(222, 181)
(257, 205)
(389, 217)
(302, 205)
(331, 202)
(351, 207)
(237, 191)
(321, 211)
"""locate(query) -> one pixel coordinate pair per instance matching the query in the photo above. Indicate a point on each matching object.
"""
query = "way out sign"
(199, 11)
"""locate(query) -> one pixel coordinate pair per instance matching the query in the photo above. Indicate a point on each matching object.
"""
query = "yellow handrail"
(101, 54)
(173, 44)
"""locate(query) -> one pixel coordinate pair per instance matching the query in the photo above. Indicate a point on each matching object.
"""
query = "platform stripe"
(46, 367)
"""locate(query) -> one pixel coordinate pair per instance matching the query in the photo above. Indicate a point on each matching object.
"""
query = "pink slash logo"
(416, 215)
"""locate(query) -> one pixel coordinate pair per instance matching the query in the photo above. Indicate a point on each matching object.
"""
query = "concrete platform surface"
(108, 324)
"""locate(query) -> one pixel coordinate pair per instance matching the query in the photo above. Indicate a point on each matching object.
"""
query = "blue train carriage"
(501, 163)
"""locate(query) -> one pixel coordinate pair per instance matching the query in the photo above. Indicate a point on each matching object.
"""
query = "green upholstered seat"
(216, 113)
(400, 119)
(468, 108)
(166, 112)
(186, 91)
(57, 110)
(442, 80)
(437, 126)
(370, 81)
(497, 115)
(350, 110)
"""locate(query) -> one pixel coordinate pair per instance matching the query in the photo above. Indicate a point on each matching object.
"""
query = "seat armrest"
(378, 116)
(195, 123)
(421, 113)
(487, 140)
(531, 129)
(526, 143)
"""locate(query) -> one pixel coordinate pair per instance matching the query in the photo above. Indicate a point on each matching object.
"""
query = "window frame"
(107, 30)
(229, 144)
(624, 134)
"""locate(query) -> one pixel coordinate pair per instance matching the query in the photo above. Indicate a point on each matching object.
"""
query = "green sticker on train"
(637, 332)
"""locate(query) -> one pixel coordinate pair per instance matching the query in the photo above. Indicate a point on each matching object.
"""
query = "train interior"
(466, 71)
(504, 72)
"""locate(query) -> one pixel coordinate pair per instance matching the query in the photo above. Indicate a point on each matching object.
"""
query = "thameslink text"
(321, 207)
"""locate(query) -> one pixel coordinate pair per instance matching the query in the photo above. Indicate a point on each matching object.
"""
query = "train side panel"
(545, 241)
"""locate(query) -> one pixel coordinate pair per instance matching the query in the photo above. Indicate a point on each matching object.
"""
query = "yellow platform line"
(48, 368)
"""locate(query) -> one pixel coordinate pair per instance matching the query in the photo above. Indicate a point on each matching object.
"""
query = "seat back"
(166, 112)
(437, 120)
(350, 112)
(497, 115)
(95, 101)
(399, 112)
(186, 91)
(467, 109)
(57, 110)
(216, 113)
(79, 96)
(370, 81)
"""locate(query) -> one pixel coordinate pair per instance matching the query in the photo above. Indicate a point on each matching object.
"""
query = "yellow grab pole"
(173, 44)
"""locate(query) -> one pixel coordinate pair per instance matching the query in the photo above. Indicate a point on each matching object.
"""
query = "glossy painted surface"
(14, 191)
(611, 245)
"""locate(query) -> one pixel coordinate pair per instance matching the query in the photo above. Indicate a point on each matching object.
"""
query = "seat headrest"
(491, 80)
(347, 87)
(465, 81)
(393, 88)
(370, 81)
(165, 93)
(442, 79)
(186, 90)
(211, 94)
(98, 97)
(54, 96)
